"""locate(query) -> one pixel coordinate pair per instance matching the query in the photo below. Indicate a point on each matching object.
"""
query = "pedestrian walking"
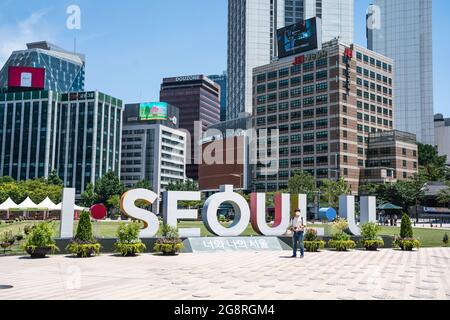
(298, 231)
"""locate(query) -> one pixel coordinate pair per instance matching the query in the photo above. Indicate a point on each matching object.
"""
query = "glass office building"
(77, 134)
(402, 30)
(252, 26)
(65, 71)
(337, 16)
(221, 80)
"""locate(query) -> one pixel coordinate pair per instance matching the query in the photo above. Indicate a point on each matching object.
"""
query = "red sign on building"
(26, 77)
(348, 53)
(299, 60)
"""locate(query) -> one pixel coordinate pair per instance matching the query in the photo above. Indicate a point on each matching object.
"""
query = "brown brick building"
(391, 156)
(325, 105)
(198, 99)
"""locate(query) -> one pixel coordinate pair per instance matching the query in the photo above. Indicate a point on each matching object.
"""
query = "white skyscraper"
(402, 30)
(337, 16)
(252, 26)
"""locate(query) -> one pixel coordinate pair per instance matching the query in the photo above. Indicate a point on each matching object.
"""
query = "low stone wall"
(108, 244)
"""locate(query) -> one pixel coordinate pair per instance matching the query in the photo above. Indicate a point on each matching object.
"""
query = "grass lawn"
(107, 229)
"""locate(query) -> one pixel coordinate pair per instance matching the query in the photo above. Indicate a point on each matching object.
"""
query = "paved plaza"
(387, 274)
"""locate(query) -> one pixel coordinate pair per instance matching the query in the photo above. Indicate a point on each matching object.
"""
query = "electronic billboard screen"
(26, 77)
(153, 111)
(300, 37)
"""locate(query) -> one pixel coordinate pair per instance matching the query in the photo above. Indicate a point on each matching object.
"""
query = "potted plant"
(6, 240)
(341, 240)
(128, 243)
(84, 244)
(40, 241)
(370, 239)
(406, 241)
(445, 240)
(312, 242)
(170, 243)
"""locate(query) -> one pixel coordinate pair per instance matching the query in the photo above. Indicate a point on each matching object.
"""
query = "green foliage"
(341, 245)
(432, 166)
(406, 230)
(222, 218)
(84, 230)
(332, 190)
(37, 190)
(167, 246)
(302, 183)
(443, 197)
(54, 179)
(7, 237)
(130, 249)
(170, 243)
(407, 244)
(107, 187)
(404, 193)
(445, 239)
(128, 233)
(84, 244)
(187, 185)
(341, 236)
(88, 197)
(373, 244)
(369, 231)
(314, 246)
(339, 225)
(128, 242)
(41, 236)
(143, 184)
(83, 250)
(310, 235)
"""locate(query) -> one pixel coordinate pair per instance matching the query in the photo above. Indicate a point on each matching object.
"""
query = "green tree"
(443, 197)
(187, 185)
(108, 186)
(332, 190)
(6, 179)
(406, 231)
(84, 229)
(88, 197)
(54, 179)
(302, 183)
(432, 166)
(143, 184)
(114, 203)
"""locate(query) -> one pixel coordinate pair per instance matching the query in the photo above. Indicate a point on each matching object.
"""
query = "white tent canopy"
(27, 204)
(49, 205)
(8, 205)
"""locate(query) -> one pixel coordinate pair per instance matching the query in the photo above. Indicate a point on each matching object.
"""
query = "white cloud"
(33, 28)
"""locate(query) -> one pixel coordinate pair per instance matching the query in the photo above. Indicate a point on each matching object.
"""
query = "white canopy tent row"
(28, 205)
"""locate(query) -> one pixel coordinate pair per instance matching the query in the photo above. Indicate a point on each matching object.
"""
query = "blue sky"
(131, 45)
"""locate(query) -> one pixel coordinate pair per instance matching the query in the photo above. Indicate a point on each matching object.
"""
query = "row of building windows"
(374, 62)
(373, 97)
(294, 70)
(295, 93)
(294, 82)
(373, 86)
(373, 75)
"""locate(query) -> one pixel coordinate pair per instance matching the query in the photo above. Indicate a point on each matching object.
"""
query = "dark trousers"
(296, 239)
